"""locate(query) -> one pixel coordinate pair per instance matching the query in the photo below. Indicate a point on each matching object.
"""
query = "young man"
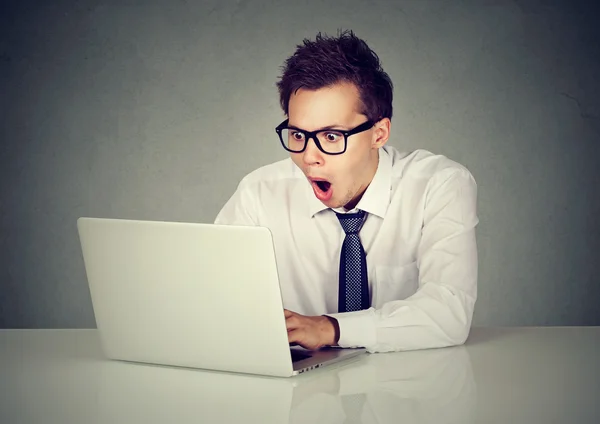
(375, 248)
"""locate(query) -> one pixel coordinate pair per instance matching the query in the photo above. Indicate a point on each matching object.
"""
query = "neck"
(370, 174)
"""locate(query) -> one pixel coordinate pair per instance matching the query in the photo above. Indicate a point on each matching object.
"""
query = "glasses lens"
(293, 140)
(332, 141)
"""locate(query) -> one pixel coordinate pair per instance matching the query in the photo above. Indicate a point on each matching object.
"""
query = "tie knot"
(351, 222)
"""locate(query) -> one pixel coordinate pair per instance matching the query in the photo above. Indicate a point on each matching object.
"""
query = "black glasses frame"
(313, 134)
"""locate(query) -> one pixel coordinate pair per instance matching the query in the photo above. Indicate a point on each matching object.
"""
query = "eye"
(297, 136)
(333, 137)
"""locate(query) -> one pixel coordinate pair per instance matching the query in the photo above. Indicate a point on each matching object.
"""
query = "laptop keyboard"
(298, 356)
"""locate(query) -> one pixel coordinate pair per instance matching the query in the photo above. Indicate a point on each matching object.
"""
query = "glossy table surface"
(501, 375)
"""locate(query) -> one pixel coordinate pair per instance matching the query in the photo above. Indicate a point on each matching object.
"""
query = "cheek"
(346, 176)
(358, 150)
(352, 165)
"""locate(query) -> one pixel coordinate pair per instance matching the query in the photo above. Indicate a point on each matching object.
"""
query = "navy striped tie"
(354, 287)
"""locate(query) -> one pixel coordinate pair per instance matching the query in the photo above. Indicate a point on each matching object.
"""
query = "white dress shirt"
(419, 239)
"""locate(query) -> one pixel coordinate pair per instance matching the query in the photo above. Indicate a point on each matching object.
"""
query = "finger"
(299, 337)
(292, 322)
(294, 336)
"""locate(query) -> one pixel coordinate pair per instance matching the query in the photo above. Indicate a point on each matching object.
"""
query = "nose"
(312, 155)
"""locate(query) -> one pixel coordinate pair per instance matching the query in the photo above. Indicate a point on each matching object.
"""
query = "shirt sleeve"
(240, 209)
(439, 314)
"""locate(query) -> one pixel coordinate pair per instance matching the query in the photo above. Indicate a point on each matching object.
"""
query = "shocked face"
(337, 180)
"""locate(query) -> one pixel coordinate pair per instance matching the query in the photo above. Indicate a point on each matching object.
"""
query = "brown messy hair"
(331, 60)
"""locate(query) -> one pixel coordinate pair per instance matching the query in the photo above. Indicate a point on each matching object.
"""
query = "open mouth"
(323, 185)
(322, 189)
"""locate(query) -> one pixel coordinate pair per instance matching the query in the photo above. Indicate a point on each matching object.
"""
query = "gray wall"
(113, 109)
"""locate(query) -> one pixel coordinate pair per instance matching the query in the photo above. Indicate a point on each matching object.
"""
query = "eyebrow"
(328, 127)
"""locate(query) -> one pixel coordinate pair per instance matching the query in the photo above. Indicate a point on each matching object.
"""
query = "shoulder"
(274, 173)
(255, 189)
(423, 165)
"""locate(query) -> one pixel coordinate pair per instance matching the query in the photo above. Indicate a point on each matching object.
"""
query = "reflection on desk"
(429, 386)
(508, 375)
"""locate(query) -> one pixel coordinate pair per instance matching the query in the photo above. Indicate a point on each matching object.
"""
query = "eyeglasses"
(329, 141)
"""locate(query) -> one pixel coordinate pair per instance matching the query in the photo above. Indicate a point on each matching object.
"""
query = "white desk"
(521, 375)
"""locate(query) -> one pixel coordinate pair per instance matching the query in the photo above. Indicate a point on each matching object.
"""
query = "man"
(375, 248)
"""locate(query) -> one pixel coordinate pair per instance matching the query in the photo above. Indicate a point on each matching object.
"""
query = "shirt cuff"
(357, 329)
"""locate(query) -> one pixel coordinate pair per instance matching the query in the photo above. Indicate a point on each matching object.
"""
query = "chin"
(332, 203)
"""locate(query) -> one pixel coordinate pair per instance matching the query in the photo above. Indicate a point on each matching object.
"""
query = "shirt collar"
(376, 198)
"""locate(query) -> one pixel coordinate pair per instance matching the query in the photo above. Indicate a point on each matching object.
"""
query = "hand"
(311, 332)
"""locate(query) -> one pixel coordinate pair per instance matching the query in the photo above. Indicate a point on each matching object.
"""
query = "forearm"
(436, 316)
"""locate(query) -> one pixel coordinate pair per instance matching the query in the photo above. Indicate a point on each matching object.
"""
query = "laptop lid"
(186, 294)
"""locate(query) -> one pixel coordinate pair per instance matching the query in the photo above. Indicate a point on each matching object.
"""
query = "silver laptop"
(192, 295)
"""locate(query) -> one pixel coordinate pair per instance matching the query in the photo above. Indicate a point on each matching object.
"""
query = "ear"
(381, 133)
